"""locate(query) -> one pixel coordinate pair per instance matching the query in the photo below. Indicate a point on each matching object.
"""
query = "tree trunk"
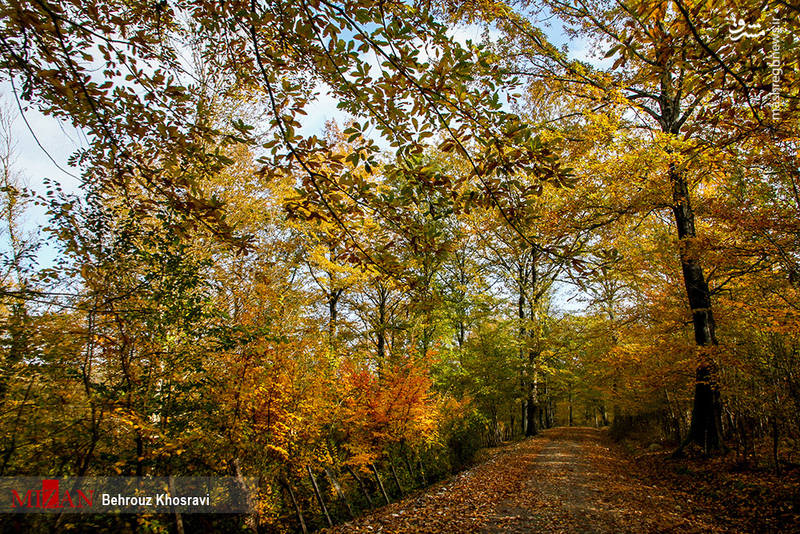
(251, 520)
(360, 485)
(381, 330)
(178, 518)
(533, 356)
(775, 443)
(704, 429)
(380, 483)
(525, 405)
(394, 475)
(333, 313)
(296, 506)
(524, 419)
(410, 470)
(532, 424)
(534, 409)
(542, 417)
(339, 492)
(139, 454)
(319, 496)
(570, 405)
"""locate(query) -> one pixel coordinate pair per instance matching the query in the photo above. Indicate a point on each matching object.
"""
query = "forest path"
(580, 483)
(565, 480)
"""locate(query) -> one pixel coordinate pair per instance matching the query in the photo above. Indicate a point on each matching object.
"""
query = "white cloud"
(582, 50)
(472, 32)
(320, 111)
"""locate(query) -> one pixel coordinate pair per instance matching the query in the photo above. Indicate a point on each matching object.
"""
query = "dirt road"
(566, 480)
(579, 484)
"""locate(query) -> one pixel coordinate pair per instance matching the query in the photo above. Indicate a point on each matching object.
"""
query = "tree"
(146, 104)
(670, 81)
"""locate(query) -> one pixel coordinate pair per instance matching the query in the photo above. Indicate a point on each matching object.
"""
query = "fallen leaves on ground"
(744, 498)
(569, 480)
(464, 503)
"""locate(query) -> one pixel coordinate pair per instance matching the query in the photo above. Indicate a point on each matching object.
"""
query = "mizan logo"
(77, 495)
(50, 497)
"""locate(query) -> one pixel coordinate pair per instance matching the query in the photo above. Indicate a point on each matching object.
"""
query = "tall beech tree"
(673, 71)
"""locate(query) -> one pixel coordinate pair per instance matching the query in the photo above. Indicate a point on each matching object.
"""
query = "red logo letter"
(50, 494)
(16, 498)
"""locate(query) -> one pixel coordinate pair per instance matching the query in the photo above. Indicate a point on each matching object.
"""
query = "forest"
(350, 248)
